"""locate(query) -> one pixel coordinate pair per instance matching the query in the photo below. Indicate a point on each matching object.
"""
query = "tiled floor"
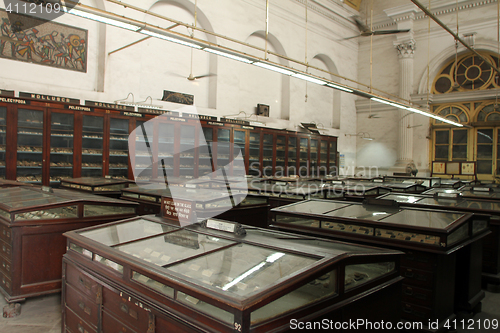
(43, 315)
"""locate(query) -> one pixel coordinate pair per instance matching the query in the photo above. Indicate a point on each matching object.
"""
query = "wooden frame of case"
(32, 249)
(436, 285)
(86, 279)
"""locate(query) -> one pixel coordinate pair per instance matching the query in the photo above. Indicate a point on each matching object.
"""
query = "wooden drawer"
(112, 325)
(418, 296)
(167, 325)
(417, 277)
(5, 250)
(420, 260)
(124, 308)
(5, 233)
(5, 267)
(416, 313)
(5, 282)
(82, 306)
(75, 324)
(83, 283)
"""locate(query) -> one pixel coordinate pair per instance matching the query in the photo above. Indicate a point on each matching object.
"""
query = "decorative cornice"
(406, 49)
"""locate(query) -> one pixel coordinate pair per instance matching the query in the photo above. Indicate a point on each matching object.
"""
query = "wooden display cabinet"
(110, 187)
(32, 221)
(436, 283)
(148, 275)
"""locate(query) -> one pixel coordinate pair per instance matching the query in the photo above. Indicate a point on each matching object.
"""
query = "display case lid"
(19, 198)
(236, 266)
(96, 181)
(383, 213)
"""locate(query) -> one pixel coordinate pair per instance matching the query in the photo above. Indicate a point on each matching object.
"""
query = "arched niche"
(167, 66)
(262, 86)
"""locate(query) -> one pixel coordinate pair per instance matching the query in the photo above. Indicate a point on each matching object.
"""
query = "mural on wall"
(175, 97)
(43, 42)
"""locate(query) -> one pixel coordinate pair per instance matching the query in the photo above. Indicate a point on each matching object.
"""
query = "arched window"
(454, 113)
(490, 112)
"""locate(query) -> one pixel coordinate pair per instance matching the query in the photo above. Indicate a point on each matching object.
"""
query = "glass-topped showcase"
(96, 185)
(407, 226)
(425, 181)
(32, 220)
(30, 133)
(219, 275)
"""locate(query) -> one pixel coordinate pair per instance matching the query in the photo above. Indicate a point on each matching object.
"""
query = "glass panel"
(92, 145)
(254, 158)
(441, 153)
(357, 275)
(106, 262)
(280, 155)
(407, 236)
(292, 156)
(484, 167)
(126, 232)
(313, 207)
(155, 285)
(356, 229)
(304, 158)
(204, 152)
(333, 158)
(459, 152)
(321, 288)
(243, 269)
(166, 134)
(54, 213)
(323, 158)
(458, 235)
(29, 145)
(478, 226)
(251, 200)
(314, 157)
(267, 151)
(118, 148)
(240, 142)
(402, 198)
(205, 307)
(484, 135)
(421, 218)
(81, 250)
(223, 147)
(187, 150)
(143, 167)
(298, 220)
(484, 151)
(442, 137)
(61, 147)
(94, 210)
(3, 141)
(169, 248)
(374, 213)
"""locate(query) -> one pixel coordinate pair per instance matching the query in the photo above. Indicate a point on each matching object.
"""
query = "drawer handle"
(85, 309)
(84, 283)
(409, 274)
(124, 308)
(408, 292)
(81, 329)
(133, 314)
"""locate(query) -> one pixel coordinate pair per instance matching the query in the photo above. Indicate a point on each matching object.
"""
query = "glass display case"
(323, 158)
(428, 182)
(166, 149)
(314, 157)
(97, 185)
(92, 146)
(205, 158)
(118, 148)
(292, 156)
(267, 155)
(221, 276)
(356, 192)
(332, 159)
(30, 133)
(280, 155)
(61, 147)
(303, 157)
(32, 221)
(441, 247)
(240, 142)
(3, 140)
(223, 147)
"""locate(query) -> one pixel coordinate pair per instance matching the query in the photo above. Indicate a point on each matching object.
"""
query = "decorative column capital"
(406, 49)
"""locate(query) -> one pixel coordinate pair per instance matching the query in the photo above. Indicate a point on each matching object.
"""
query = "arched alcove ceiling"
(285, 79)
(336, 105)
(201, 21)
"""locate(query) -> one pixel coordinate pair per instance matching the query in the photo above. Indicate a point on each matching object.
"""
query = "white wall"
(148, 68)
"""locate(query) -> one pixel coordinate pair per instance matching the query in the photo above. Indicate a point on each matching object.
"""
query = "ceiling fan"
(365, 31)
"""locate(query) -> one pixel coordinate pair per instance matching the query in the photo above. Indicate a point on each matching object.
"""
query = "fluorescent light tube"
(389, 103)
(170, 39)
(273, 68)
(228, 55)
(339, 87)
(308, 78)
(102, 19)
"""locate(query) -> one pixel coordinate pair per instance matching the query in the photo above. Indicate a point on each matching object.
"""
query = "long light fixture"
(201, 45)
(102, 19)
(424, 113)
(228, 55)
(170, 39)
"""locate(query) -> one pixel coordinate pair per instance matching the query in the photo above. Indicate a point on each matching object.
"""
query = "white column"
(406, 51)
